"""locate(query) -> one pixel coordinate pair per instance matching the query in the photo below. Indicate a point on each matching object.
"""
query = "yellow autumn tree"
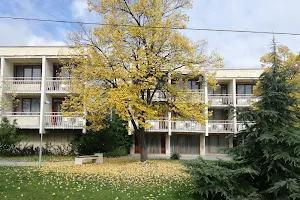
(290, 62)
(124, 65)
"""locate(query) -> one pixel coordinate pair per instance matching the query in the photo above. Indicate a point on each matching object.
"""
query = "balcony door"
(185, 144)
(56, 105)
(60, 72)
(156, 144)
(28, 72)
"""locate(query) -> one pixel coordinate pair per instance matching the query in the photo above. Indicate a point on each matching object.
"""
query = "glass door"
(214, 144)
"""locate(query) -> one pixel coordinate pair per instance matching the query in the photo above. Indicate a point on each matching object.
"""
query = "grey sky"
(239, 50)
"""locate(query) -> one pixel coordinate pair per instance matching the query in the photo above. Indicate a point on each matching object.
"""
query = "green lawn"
(36, 158)
(30, 183)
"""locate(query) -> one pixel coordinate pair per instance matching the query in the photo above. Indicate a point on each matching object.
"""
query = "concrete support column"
(2, 83)
(234, 105)
(206, 108)
(129, 128)
(169, 113)
(132, 148)
(43, 95)
(169, 123)
(168, 145)
(230, 141)
(202, 144)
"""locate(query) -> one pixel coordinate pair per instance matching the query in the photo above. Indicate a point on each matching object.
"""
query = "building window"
(218, 115)
(28, 72)
(59, 71)
(244, 89)
(220, 89)
(31, 106)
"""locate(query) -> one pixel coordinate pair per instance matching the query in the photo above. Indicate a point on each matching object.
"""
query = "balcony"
(22, 85)
(58, 121)
(220, 99)
(58, 85)
(187, 126)
(160, 125)
(196, 95)
(245, 100)
(220, 126)
(25, 120)
(159, 96)
(240, 126)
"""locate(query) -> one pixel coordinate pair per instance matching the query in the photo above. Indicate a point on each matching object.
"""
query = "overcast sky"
(240, 50)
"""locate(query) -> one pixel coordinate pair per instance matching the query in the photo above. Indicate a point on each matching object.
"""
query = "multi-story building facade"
(30, 76)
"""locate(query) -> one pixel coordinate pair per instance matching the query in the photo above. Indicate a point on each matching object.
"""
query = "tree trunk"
(142, 144)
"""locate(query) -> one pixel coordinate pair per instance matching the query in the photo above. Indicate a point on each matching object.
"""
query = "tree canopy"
(126, 63)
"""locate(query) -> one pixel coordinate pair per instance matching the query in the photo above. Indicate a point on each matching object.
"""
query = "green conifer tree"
(266, 163)
(271, 145)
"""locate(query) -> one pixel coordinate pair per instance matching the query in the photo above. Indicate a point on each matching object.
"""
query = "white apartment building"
(31, 75)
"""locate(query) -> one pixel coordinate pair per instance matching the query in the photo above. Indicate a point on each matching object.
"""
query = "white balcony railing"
(58, 121)
(220, 99)
(196, 95)
(159, 96)
(24, 119)
(245, 100)
(220, 126)
(240, 126)
(22, 84)
(58, 85)
(162, 125)
(158, 125)
(187, 126)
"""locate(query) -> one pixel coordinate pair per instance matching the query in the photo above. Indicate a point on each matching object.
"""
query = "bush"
(48, 149)
(108, 140)
(220, 180)
(8, 135)
(116, 153)
(175, 156)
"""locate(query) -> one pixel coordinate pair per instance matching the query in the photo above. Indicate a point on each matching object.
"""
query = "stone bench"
(97, 158)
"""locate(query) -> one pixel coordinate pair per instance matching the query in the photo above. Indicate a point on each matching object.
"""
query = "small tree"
(8, 135)
(112, 139)
(132, 59)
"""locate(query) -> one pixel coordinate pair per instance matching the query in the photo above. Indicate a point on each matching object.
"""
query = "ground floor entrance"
(185, 144)
(156, 144)
(216, 144)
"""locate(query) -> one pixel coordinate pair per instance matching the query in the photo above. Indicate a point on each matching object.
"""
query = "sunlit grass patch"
(114, 179)
(120, 171)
